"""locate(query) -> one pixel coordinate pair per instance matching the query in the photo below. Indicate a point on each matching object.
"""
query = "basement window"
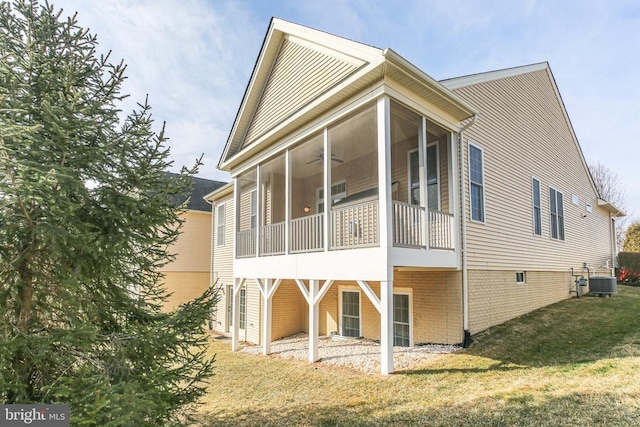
(520, 277)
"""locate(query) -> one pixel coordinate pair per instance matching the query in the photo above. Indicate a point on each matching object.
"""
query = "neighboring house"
(188, 275)
(369, 199)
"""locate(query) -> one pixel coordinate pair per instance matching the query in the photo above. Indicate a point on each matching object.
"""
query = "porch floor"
(359, 354)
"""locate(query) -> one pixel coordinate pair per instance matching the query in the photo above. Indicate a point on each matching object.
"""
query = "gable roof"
(201, 187)
(474, 79)
(301, 72)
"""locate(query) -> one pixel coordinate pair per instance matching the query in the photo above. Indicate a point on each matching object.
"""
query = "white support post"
(258, 208)
(314, 319)
(236, 215)
(328, 200)
(384, 172)
(235, 342)
(454, 193)
(266, 321)
(424, 192)
(386, 327)
(287, 200)
(370, 294)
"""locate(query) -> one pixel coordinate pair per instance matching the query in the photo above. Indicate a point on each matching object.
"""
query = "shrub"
(629, 263)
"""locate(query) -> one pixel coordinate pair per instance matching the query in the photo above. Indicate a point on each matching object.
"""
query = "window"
(338, 192)
(220, 225)
(350, 313)
(414, 178)
(476, 183)
(401, 322)
(243, 308)
(433, 188)
(254, 209)
(556, 210)
(537, 210)
(520, 277)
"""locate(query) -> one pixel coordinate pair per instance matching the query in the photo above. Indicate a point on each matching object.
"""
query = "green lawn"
(576, 363)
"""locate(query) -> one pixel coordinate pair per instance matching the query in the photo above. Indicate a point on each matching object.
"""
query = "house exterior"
(369, 199)
(188, 275)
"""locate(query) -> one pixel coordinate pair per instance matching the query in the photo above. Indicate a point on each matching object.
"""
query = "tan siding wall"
(298, 75)
(523, 133)
(400, 167)
(193, 247)
(444, 175)
(223, 261)
(184, 286)
(254, 313)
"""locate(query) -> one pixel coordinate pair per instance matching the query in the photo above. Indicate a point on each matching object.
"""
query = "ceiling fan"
(320, 158)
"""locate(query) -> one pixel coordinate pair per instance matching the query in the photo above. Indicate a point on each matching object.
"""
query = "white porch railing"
(246, 243)
(355, 226)
(407, 225)
(306, 234)
(441, 230)
(272, 239)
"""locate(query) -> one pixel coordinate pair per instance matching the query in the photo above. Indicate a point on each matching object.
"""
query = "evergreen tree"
(86, 219)
(632, 238)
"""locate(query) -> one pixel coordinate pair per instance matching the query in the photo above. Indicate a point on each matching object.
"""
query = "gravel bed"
(360, 354)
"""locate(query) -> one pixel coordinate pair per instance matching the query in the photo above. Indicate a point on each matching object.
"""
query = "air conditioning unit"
(603, 285)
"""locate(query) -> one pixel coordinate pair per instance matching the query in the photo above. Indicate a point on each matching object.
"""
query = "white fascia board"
(458, 82)
(610, 207)
(429, 81)
(219, 192)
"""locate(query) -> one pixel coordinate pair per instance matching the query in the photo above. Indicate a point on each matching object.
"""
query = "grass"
(575, 363)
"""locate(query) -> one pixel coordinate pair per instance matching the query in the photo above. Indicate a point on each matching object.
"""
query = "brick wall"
(495, 297)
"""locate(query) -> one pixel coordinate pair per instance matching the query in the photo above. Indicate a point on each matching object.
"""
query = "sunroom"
(321, 194)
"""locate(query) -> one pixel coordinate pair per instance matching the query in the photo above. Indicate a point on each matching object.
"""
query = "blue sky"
(194, 58)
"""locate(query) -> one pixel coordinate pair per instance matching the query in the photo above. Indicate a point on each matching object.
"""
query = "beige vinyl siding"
(184, 286)
(299, 75)
(187, 276)
(400, 170)
(193, 246)
(523, 133)
(223, 261)
(251, 333)
(443, 178)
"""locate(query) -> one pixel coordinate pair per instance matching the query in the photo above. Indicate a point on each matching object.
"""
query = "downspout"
(463, 235)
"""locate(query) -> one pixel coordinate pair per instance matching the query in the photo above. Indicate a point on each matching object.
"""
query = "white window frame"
(253, 210)
(409, 183)
(221, 226)
(426, 180)
(243, 319)
(559, 236)
(341, 195)
(409, 292)
(484, 186)
(342, 289)
(533, 204)
(524, 277)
